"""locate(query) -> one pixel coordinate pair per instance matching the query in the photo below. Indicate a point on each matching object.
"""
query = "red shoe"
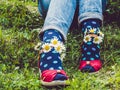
(48, 76)
(90, 66)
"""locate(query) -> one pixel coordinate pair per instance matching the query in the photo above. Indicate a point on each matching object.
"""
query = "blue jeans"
(61, 13)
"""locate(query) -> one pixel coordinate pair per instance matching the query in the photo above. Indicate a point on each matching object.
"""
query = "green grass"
(18, 59)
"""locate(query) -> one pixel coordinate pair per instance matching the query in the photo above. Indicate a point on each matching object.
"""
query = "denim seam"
(90, 15)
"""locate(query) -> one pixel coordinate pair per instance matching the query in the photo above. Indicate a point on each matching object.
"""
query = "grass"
(18, 60)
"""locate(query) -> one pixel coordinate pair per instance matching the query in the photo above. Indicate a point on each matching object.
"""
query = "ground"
(18, 59)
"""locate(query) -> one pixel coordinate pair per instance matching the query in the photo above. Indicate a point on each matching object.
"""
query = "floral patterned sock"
(52, 49)
(91, 43)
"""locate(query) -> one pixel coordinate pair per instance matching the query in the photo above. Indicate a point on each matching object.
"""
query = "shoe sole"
(55, 83)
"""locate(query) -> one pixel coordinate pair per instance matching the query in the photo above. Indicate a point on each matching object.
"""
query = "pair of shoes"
(48, 77)
(51, 54)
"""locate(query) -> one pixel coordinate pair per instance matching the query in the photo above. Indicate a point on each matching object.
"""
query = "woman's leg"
(90, 18)
(57, 22)
(60, 16)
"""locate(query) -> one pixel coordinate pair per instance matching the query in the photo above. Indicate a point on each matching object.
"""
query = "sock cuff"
(50, 34)
(98, 22)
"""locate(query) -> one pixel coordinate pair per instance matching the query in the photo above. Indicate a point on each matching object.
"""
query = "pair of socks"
(90, 50)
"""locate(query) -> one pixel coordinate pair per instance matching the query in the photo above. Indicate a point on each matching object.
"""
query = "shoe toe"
(60, 77)
(88, 68)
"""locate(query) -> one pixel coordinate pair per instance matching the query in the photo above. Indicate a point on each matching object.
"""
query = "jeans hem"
(52, 27)
(90, 15)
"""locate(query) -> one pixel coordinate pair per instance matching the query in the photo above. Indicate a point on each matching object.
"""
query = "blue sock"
(52, 60)
(90, 48)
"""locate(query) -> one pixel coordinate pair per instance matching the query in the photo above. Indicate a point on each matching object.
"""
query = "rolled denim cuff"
(52, 27)
(90, 15)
